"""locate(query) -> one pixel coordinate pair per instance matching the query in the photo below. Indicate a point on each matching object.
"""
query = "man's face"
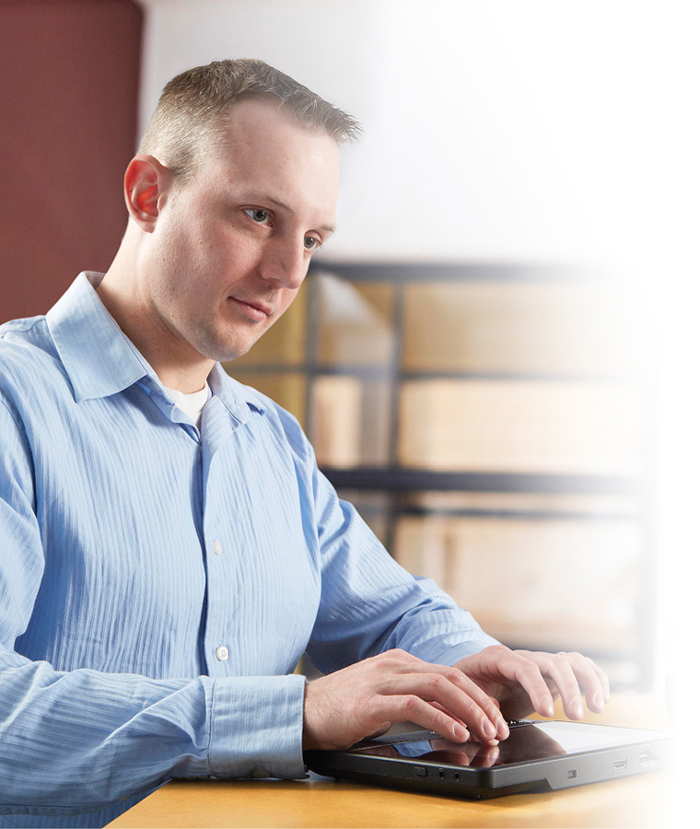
(231, 245)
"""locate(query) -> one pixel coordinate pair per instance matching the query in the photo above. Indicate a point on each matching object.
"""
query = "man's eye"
(258, 215)
(311, 243)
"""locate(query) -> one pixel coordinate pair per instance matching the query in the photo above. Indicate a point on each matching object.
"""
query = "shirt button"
(218, 548)
(222, 653)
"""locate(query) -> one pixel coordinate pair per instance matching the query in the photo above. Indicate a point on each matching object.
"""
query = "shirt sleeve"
(76, 741)
(369, 603)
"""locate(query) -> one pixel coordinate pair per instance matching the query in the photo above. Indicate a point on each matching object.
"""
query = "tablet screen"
(527, 741)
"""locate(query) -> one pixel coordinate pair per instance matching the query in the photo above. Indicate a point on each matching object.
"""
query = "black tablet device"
(537, 756)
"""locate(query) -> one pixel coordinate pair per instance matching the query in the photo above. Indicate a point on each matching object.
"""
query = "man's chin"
(216, 345)
(228, 353)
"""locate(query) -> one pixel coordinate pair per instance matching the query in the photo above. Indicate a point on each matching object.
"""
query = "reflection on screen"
(526, 742)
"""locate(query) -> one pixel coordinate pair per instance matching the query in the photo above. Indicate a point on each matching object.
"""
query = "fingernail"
(577, 708)
(598, 699)
(460, 732)
(489, 729)
(547, 708)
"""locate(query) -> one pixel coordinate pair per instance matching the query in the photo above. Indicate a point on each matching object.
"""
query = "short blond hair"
(193, 106)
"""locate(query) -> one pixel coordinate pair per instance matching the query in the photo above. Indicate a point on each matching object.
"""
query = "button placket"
(217, 430)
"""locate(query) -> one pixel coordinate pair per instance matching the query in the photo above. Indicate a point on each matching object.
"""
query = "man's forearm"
(78, 741)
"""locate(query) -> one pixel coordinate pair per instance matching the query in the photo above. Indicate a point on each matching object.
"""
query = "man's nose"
(286, 262)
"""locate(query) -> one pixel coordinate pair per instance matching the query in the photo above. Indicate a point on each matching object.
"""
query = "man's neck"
(176, 363)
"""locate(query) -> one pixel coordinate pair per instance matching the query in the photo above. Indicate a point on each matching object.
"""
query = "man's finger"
(473, 705)
(409, 707)
(559, 668)
(519, 668)
(445, 711)
(570, 672)
(592, 679)
(452, 699)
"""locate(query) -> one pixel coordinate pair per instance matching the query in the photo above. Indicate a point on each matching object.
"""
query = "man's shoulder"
(27, 353)
(19, 330)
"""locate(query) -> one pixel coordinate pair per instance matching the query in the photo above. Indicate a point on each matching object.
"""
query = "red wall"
(68, 103)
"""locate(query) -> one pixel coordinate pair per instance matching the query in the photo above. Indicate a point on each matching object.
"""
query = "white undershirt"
(191, 404)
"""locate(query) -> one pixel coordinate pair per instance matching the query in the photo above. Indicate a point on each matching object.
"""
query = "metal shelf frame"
(397, 481)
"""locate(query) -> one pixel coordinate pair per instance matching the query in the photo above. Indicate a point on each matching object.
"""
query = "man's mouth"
(257, 311)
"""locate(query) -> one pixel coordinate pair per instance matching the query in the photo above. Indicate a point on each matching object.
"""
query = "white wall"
(493, 128)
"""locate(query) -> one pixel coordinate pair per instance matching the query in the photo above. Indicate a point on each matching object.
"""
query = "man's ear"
(145, 183)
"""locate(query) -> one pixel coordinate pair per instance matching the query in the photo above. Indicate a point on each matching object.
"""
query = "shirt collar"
(233, 394)
(100, 360)
(96, 354)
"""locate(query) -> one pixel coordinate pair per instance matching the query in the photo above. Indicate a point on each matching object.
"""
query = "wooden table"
(632, 802)
(641, 801)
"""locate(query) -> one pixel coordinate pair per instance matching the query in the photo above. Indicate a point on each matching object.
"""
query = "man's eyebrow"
(289, 209)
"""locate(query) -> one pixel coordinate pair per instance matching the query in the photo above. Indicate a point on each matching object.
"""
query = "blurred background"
(494, 355)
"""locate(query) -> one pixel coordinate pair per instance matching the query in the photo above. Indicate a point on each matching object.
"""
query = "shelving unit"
(488, 420)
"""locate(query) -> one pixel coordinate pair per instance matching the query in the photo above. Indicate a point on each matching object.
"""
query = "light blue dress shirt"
(159, 584)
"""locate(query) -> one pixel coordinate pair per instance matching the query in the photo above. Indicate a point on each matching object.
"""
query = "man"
(169, 548)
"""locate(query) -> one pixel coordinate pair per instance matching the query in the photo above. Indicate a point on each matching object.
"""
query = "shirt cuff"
(457, 652)
(256, 727)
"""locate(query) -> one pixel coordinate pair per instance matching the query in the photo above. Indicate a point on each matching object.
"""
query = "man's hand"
(526, 681)
(367, 698)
